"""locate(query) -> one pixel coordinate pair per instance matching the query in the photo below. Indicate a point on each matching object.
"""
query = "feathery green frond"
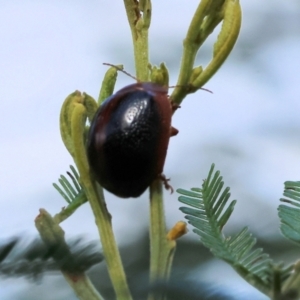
(73, 193)
(33, 258)
(68, 191)
(208, 212)
(290, 214)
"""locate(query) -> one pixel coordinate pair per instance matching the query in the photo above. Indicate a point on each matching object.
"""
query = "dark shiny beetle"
(129, 137)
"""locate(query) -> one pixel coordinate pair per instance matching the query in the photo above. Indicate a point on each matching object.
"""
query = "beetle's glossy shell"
(129, 137)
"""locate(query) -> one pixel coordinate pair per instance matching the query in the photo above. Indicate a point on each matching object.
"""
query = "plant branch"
(162, 245)
(139, 18)
(75, 113)
(66, 212)
(53, 236)
(206, 18)
(293, 282)
(108, 83)
(98, 205)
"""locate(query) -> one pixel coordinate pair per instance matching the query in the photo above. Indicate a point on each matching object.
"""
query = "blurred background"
(249, 127)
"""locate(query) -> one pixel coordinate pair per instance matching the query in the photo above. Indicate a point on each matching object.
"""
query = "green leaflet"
(208, 211)
(72, 193)
(290, 214)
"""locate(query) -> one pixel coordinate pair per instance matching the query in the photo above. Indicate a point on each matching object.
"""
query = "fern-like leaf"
(33, 258)
(72, 192)
(290, 214)
(68, 191)
(208, 212)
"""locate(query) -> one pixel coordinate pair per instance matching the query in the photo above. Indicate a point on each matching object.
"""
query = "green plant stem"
(293, 282)
(191, 44)
(276, 284)
(232, 16)
(108, 83)
(110, 249)
(161, 248)
(53, 235)
(98, 205)
(82, 287)
(253, 280)
(206, 18)
(139, 25)
(75, 111)
(66, 212)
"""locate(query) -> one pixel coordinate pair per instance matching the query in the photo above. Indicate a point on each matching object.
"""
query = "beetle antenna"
(206, 90)
(121, 70)
(188, 86)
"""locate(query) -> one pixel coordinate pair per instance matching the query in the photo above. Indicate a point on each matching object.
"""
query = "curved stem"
(108, 84)
(98, 205)
(53, 235)
(206, 18)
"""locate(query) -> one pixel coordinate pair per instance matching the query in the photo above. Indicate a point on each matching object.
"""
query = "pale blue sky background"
(249, 127)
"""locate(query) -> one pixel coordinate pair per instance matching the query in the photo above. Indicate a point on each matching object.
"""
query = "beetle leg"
(166, 183)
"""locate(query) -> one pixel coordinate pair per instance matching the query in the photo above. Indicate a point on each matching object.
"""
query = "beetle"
(128, 139)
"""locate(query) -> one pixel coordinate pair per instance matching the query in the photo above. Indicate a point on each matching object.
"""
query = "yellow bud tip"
(178, 230)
